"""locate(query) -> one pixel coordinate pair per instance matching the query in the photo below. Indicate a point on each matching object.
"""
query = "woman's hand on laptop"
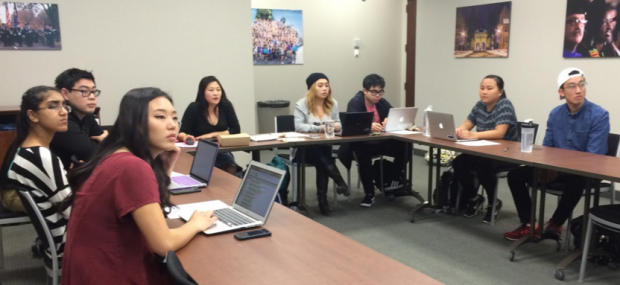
(376, 127)
(465, 134)
(202, 220)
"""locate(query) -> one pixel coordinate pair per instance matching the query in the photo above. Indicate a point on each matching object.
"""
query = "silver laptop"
(202, 167)
(400, 119)
(442, 127)
(252, 203)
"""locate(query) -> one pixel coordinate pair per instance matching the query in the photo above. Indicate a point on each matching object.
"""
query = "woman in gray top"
(310, 112)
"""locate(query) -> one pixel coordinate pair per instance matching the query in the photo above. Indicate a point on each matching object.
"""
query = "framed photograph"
(277, 36)
(591, 29)
(29, 26)
(482, 31)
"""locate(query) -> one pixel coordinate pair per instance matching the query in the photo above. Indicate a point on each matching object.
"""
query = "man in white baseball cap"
(577, 125)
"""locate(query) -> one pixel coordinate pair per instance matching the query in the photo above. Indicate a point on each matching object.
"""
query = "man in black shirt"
(84, 133)
(370, 99)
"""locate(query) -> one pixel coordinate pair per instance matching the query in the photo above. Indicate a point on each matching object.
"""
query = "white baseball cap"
(567, 74)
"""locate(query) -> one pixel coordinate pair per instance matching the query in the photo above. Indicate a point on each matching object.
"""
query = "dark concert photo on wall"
(483, 30)
(29, 26)
(591, 29)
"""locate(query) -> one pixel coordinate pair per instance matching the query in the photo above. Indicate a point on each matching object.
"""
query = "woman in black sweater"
(209, 116)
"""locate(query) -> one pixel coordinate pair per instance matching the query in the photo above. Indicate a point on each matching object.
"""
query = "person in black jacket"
(83, 135)
(209, 116)
(371, 100)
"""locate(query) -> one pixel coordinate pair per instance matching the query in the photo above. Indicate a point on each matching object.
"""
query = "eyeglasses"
(573, 86)
(57, 107)
(575, 22)
(377, 92)
(87, 93)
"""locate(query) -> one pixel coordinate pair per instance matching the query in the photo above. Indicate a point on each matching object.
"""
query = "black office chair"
(608, 217)
(50, 257)
(499, 173)
(177, 273)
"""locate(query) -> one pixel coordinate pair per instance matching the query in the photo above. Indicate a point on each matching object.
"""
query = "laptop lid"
(258, 190)
(400, 119)
(442, 126)
(204, 160)
(356, 123)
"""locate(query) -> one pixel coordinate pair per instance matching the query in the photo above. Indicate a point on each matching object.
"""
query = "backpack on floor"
(283, 191)
(444, 196)
(603, 239)
(391, 174)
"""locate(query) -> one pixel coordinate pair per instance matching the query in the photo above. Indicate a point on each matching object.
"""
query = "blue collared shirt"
(587, 130)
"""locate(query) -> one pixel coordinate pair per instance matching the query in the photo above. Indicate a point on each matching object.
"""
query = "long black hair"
(30, 101)
(200, 96)
(500, 83)
(131, 130)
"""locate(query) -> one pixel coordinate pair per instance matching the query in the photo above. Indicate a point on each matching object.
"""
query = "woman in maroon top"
(118, 198)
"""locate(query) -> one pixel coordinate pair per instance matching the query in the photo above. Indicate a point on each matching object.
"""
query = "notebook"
(201, 170)
(251, 205)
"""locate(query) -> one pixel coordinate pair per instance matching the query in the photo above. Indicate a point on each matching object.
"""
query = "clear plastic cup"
(329, 129)
(527, 138)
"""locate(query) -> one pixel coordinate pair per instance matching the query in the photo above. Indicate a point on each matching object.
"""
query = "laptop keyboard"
(231, 217)
(185, 181)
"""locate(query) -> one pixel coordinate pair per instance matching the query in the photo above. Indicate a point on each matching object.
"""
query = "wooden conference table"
(549, 158)
(300, 251)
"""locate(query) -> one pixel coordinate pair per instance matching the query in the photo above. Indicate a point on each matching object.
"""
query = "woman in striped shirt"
(30, 164)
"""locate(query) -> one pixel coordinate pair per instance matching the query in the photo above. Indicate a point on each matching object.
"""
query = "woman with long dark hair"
(209, 116)
(119, 195)
(495, 118)
(30, 165)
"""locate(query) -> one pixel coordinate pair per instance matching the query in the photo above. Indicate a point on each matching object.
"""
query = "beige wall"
(127, 44)
(530, 71)
(162, 43)
(329, 29)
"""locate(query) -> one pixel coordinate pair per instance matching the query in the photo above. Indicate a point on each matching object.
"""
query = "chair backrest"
(38, 221)
(613, 143)
(177, 273)
(285, 123)
(519, 124)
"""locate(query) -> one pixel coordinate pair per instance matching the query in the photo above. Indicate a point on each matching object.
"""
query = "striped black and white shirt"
(41, 172)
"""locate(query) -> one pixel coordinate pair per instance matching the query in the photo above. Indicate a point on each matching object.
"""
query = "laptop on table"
(355, 124)
(442, 127)
(400, 119)
(202, 167)
(251, 205)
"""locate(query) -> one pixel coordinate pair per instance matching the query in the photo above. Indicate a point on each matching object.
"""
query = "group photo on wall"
(591, 29)
(277, 36)
(29, 26)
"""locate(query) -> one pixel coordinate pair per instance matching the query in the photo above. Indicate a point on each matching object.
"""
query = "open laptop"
(400, 119)
(251, 205)
(442, 127)
(202, 167)
(355, 123)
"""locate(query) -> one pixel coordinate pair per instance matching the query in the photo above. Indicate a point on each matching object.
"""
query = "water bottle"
(427, 130)
(527, 136)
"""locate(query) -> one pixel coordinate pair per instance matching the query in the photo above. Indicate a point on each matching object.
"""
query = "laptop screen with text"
(258, 190)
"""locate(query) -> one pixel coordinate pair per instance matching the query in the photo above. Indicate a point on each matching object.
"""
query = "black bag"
(446, 192)
(391, 173)
(605, 240)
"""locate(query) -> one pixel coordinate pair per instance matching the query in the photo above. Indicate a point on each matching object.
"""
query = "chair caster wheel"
(559, 274)
(511, 256)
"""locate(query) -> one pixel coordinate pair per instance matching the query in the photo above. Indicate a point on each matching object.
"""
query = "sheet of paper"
(404, 132)
(292, 139)
(184, 145)
(186, 210)
(478, 143)
(260, 138)
(173, 174)
(291, 135)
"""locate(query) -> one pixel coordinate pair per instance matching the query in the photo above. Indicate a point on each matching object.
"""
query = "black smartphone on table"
(253, 234)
